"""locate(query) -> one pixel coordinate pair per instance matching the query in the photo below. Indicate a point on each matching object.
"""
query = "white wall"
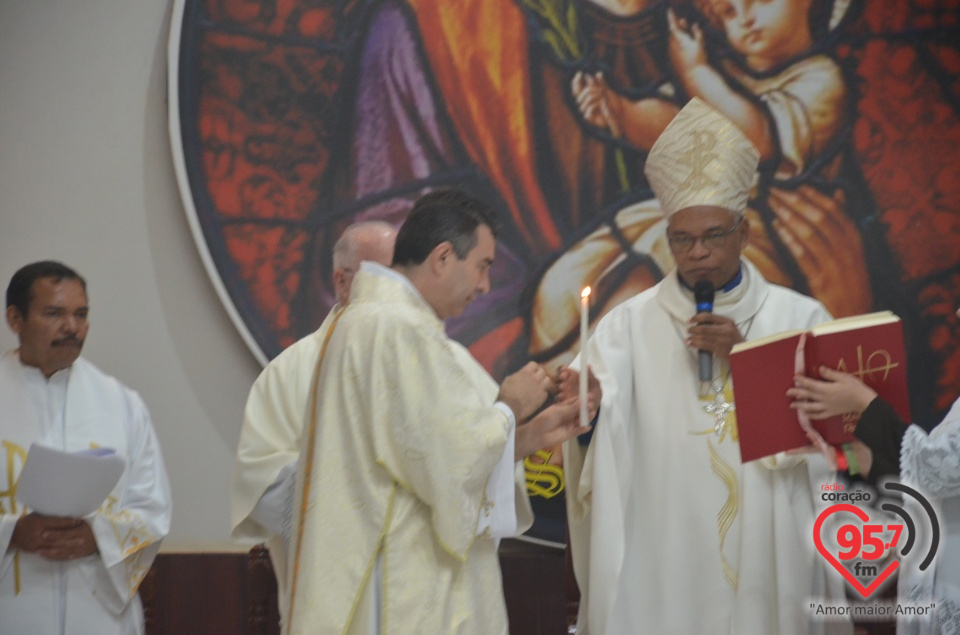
(86, 178)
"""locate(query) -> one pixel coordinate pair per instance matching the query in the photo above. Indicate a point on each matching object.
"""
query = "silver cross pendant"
(719, 408)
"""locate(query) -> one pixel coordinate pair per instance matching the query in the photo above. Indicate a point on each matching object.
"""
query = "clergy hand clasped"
(525, 390)
(53, 538)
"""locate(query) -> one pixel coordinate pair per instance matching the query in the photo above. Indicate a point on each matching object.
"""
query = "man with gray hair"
(266, 468)
(371, 240)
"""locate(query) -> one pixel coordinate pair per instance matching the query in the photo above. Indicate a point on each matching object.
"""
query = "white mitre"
(702, 158)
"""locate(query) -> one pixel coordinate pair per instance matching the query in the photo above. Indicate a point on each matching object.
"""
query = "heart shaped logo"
(865, 591)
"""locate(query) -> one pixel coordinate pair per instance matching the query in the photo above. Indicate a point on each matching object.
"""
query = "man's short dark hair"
(20, 289)
(440, 216)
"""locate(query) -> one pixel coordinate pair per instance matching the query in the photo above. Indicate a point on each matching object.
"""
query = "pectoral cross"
(719, 408)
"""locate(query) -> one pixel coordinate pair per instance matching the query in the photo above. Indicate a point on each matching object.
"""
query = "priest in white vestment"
(265, 473)
(73, 576)
(670, 533)
(410, 467)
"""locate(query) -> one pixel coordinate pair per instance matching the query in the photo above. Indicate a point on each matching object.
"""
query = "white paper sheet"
(68, 484)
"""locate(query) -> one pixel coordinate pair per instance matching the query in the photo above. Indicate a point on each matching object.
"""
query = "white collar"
(62, 375)
(376, 269)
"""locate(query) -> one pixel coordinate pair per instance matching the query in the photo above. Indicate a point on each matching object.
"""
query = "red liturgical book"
(868, 346)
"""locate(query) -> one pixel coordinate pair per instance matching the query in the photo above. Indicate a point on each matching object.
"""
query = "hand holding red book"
(867, 348)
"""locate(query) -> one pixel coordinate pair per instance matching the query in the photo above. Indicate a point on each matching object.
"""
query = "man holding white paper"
(59, 574)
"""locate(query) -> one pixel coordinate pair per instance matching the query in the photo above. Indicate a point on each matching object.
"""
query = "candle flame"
(585, 293)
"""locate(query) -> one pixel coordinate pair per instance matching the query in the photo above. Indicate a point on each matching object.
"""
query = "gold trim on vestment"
(13, 451)
(308, 465)
(729, 511)
(132, 543)
(16, 573)
(370, 567)
(726, 423)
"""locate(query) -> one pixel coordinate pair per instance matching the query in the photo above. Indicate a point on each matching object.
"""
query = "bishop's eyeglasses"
(682, 243)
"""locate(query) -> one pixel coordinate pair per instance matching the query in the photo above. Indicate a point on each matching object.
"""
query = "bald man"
(266, 469)
(372, 241)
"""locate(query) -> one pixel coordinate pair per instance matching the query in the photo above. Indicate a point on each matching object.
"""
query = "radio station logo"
(859, 546)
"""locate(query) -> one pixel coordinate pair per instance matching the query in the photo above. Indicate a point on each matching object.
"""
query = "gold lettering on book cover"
(865, 370)
(878, 361)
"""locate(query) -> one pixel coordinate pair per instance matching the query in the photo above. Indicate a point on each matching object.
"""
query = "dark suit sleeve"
(881, 429)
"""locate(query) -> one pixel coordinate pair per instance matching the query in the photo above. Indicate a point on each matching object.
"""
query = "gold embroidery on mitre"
(701, 159)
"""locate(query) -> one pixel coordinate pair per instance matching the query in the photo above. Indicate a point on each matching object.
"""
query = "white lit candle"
(584, 341)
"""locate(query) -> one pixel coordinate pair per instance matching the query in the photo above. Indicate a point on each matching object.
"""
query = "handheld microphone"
(703, 295)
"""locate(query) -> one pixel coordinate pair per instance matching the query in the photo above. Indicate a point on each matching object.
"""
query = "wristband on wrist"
(853, 466)
(841, 458)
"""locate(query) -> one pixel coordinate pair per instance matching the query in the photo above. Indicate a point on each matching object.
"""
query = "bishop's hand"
(568, 387)
(714, 333)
